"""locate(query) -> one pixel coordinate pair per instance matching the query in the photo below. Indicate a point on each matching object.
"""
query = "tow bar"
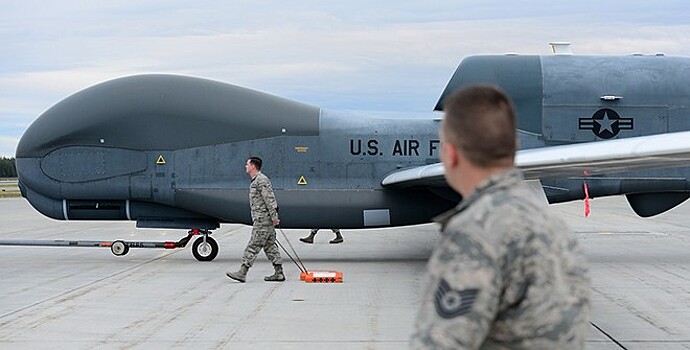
(204, 248)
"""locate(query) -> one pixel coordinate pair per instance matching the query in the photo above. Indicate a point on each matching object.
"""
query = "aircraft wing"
(582, 159)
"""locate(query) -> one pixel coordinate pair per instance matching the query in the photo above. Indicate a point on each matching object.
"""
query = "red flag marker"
(587, 210)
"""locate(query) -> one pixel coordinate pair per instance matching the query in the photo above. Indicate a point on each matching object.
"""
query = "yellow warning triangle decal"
(160, 160)
(302, 180)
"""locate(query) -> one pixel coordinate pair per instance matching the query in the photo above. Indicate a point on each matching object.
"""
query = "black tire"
(206, 252)
(119, 248)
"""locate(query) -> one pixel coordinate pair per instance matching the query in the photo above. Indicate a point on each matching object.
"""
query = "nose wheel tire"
(119, 248)
(205, 251)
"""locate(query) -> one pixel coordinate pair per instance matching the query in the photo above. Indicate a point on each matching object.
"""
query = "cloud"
(338, 55)
(8, 146)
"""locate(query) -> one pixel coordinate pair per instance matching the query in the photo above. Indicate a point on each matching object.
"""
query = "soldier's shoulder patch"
(452, 303)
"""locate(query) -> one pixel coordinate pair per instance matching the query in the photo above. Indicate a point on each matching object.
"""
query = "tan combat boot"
(338, 238)
(309, 239)
(278, 276)
(240, 276)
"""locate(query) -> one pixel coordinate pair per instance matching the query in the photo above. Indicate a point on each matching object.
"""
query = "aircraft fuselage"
(169, 151)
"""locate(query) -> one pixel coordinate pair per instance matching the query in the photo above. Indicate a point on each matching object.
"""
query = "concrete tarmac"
(84, 298)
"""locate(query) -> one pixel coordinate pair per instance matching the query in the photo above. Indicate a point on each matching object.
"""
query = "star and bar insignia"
(605, 123)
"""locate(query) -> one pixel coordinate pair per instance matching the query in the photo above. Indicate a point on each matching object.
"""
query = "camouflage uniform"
(264, 211)
(507, 274)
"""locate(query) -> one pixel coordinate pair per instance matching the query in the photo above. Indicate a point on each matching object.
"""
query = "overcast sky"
(358, 55)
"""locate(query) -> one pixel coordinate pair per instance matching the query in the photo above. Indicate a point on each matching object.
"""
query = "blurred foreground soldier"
(264, 217)
(506, 274)
(310, 239)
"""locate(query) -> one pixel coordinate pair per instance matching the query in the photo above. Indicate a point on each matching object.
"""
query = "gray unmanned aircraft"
(169, 151)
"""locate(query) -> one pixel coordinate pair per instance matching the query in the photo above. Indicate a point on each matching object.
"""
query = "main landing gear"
(204, 248)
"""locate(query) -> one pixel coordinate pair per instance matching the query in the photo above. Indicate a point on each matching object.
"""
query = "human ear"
(450, 155)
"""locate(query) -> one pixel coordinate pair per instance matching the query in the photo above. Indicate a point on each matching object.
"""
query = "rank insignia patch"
(452, 303)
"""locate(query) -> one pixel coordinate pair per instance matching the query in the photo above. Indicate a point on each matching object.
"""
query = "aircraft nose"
(158, 111)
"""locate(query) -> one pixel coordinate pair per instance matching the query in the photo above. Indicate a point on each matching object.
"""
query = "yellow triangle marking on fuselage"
(302, 180)
(160, 160)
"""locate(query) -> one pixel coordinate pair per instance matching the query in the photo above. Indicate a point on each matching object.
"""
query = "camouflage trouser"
(263, 236)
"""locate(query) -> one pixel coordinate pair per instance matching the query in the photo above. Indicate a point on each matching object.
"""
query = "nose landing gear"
(205, 248)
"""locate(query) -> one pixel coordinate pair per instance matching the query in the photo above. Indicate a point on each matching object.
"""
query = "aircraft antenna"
(561, 48)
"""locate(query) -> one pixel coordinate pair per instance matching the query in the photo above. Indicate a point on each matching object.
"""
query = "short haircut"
(480, 120)
(256, 161)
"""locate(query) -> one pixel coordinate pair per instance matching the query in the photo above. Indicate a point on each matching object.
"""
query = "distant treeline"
(7, 167)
